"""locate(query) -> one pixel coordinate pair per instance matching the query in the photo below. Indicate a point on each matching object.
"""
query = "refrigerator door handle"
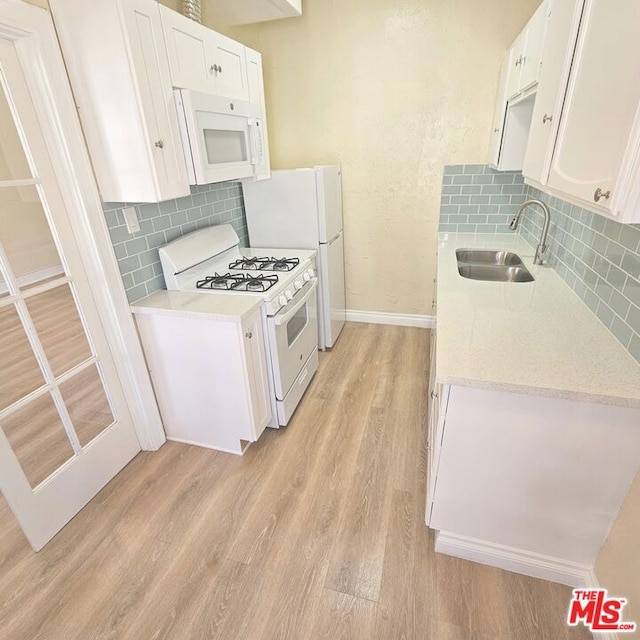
(333, 239)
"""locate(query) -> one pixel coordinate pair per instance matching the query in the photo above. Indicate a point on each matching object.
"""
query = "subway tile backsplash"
(477, 199)
(599, 259)
(137, 253)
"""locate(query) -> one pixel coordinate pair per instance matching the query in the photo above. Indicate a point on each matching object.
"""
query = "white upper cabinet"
(203, 60)
(249, 11)
(557, 55)
(115, 56)
(526, 52)
(591, 152)
(532, 56)
(516, 95)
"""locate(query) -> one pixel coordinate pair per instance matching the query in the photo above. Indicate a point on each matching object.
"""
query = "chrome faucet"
(542, 247)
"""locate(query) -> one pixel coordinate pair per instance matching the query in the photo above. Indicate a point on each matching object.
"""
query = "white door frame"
(56, 110)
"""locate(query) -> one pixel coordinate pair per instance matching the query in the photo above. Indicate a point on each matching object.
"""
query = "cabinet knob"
(546, 118)
(599, 194)
(219, 68)
(519, 61)
(434, 395)
(249, 334)
(496, 130)
(159, 144)
(214, 68)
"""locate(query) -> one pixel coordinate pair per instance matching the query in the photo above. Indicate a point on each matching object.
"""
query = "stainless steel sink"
(495, 273)
(489, 257)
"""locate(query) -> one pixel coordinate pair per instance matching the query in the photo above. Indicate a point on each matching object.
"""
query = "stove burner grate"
(265, 264)
(238, 282)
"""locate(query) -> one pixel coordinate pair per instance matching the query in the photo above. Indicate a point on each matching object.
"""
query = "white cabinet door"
(116, 61)
(559, 45)
(516, 55)
(189, 51)
(533, 53)
(499, 114)
(601, 103)
(256, 367)
(154, 87)
(230, 67)
(203, 60)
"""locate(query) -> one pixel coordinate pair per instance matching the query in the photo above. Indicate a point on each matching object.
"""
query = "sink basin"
(495, 273)
(488, 257)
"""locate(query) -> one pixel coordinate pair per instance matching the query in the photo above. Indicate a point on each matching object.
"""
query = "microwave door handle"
(252, 141)
(285, 317)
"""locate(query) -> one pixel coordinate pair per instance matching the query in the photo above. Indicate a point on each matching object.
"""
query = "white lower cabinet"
(210, 378)
(527, 483)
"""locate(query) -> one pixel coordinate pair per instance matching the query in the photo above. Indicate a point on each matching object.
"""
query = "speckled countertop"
(535, 338)
(186, 304)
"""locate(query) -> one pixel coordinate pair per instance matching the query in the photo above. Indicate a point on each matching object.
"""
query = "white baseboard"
(592, 582)
(35, 276)
(398, 319)
(528, 563)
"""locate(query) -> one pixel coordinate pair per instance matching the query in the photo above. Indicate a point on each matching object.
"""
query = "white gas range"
(210, 261)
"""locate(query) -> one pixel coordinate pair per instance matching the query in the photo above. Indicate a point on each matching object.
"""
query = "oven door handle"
(280, 319)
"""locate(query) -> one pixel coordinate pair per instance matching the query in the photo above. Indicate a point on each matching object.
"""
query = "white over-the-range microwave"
(223, 139)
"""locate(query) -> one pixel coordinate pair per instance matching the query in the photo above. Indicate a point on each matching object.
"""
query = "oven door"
(218, 137)
(293, 337)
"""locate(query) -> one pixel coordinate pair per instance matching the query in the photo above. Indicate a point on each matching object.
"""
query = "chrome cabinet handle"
(214, 68)
(519, 61)
(159, 144)
(249, 334)
(546, 118)
(434, 395)
(599, 194)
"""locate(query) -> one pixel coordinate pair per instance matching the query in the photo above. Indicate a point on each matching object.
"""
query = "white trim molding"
(398, 319)
(521, 561)
(592, 582)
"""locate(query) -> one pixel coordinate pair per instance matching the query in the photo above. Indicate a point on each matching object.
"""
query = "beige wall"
(392, 89)
(618, 563)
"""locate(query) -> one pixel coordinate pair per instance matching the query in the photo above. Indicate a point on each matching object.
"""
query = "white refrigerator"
(302, 209)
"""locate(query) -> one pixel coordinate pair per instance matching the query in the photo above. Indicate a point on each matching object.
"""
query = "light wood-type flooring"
(316, 533)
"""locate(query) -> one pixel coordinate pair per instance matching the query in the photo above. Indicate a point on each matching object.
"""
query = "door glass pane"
(38, 438)
(57, 321)
(225, 146)
(26, 237)
(87, 404)
(13, 162)
(19, 370)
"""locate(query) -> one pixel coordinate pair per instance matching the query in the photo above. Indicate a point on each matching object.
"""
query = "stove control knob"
(289, 294)
(298, 285)
(283, 300)
(307, 277)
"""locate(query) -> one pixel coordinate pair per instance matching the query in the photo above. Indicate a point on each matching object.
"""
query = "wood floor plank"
(471, 596)
(358, 552)
(407, 607)
(340, 616)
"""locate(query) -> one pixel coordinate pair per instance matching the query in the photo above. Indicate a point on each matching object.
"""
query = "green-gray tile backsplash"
(137, 253)
(598, 258)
